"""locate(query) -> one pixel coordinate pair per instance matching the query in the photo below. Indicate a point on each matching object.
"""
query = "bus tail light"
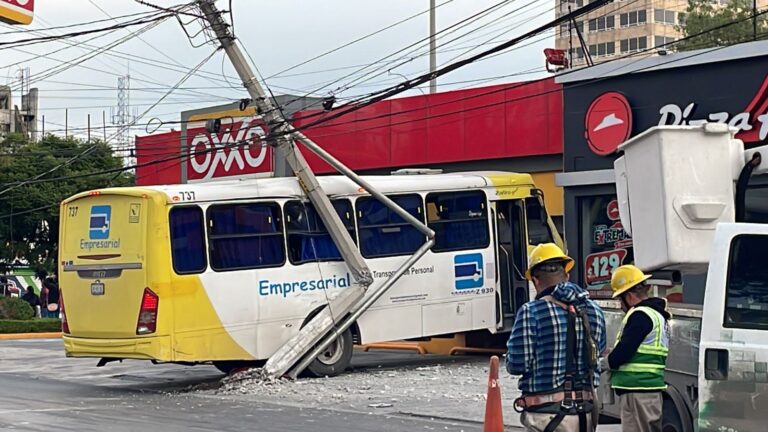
(147, 322)
(64, 323)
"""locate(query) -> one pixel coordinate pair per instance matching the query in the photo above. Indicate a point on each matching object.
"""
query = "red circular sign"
(613, 210)
(608, 123)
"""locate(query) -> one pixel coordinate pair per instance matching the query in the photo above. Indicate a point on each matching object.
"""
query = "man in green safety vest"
(637, 360)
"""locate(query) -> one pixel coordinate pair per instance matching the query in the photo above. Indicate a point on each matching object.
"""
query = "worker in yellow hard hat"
(638, 359)
(557, 378)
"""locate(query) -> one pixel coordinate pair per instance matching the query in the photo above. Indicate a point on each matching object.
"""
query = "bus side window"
(245, 236)
(459, 219)
(187, 240)
(746, 297)
(308, 238)
(382, 232)
(538, 229)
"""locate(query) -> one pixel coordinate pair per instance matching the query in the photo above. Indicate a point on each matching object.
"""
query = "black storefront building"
(609, 103)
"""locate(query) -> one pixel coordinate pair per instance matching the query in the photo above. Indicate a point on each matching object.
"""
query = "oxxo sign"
(17, 11)
(238, 149)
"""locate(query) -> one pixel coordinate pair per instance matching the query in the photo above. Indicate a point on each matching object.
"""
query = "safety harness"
(569, 405)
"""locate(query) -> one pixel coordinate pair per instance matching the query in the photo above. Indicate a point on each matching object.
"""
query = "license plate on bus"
(97, 288)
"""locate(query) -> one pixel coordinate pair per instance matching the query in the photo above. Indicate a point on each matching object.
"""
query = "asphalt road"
(41, 390)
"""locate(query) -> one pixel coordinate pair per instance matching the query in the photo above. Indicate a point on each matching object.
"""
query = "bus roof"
(333, 185)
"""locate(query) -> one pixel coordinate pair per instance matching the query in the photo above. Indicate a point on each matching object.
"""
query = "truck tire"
(671, 418)
(334, 359)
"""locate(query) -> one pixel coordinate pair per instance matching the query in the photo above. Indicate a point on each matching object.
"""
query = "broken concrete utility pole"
(344, 307)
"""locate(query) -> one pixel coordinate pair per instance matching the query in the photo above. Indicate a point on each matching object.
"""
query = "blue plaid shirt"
(536, 348)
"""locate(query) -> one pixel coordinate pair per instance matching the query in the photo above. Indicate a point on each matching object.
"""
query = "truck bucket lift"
(343, 307)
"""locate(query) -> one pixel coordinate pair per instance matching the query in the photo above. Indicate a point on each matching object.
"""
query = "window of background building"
(746, 298)
(567, 30)
(663, 42)
(602, 23)
(245, 236)
(577, 53)
(662, 16)
(603, 49)
(633, 44)
(633, 18)
(187, 239)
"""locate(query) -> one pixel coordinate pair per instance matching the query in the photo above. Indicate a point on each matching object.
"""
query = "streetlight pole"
(432, 47)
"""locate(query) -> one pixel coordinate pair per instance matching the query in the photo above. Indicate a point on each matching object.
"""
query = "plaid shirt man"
(537, 346)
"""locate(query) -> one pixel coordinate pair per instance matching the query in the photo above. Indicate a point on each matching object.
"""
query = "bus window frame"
(358, 226)
(487, 224)
(351, 229)
(203, 233)
(281, 232)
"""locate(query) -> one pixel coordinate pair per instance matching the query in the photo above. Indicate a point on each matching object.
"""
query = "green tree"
(29, 214)
(718, 25)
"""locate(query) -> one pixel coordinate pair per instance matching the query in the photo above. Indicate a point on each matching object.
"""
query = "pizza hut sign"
(239, 149)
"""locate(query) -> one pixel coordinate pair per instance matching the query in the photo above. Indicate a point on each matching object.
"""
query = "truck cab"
(733, 354)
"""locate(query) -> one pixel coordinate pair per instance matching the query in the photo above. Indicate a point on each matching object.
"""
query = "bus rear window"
(187, 240)
(746, 297)
(384, 233)
(245, 236)
(459, 219)
(308, 238)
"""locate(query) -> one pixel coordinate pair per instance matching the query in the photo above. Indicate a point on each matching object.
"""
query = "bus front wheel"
(334, 359)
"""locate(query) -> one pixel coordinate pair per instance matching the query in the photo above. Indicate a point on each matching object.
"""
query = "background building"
(20, 119)
(623, 27)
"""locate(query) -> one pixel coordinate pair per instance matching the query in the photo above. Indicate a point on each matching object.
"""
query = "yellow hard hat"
(547, 252)
(625, 278)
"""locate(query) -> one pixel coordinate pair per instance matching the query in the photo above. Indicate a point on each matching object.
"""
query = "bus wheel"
(233, 366)
(671, 419)
(334, 359)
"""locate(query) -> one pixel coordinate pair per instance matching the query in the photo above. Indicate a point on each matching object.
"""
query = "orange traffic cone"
(493, 418)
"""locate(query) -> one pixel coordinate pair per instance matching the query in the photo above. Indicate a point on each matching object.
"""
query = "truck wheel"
(672, 420)
(334, 359)
(232, 366)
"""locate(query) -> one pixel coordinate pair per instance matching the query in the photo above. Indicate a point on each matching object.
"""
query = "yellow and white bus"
(227, 272)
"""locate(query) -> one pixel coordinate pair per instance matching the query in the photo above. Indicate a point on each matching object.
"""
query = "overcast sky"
(279, 35)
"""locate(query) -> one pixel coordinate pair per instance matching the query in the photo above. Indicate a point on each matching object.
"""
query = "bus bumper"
(146, 348)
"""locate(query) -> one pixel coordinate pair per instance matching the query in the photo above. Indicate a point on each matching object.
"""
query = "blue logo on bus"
(468, 270)
(101, 217)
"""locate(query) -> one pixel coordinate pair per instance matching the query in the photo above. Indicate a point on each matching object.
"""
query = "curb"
(14, 336)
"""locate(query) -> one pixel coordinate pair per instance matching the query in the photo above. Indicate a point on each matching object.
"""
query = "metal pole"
(43, 125)
(754, 19)
(89, 128)
(432, 47)
(66, 123)
(104, 124)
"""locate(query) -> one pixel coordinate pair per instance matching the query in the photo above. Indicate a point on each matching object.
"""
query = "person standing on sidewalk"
(638, 359)
(554, 346)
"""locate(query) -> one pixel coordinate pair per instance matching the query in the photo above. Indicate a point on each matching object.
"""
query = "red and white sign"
(600, 266)
(613, 210)
(17, 11)
(239, 149)
(608, 123)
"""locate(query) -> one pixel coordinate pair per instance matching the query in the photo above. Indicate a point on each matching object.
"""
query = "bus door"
(733, 355)
(511, 250)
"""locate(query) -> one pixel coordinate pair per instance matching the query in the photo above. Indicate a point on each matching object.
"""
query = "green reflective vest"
(645, 370)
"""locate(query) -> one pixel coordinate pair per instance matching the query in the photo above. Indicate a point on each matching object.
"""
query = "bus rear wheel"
(334, 359)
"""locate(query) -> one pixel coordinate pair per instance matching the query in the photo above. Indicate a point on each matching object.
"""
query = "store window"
(605, 244)
(746, 302)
